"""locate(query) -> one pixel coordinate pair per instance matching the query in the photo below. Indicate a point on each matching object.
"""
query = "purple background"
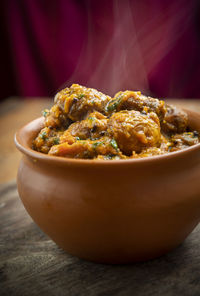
(150, 45)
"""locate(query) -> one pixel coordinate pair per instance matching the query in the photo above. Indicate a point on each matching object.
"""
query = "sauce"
(85, 123)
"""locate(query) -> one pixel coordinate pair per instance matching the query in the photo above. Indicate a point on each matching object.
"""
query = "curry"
(85, 123)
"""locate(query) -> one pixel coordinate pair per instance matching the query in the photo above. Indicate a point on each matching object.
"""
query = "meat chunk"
(184, 140)
(74, 104)
(84, 123)
(172, 119)
(46, 138)
(87, 148)
(93, 127)
(133, 131)
(134, 100)
(175, 120)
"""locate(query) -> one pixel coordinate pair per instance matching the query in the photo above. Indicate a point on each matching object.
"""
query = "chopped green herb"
(112, 106)
(96, 144)
(77, 138)
(43, 135)
(113, 143)
(93, 102)
(108, 156)
(81, 96)
(91, 118)
(111, 156)
(170, 148)
(45, 112)
(56, 141)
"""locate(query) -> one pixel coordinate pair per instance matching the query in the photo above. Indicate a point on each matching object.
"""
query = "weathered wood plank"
(31, 264)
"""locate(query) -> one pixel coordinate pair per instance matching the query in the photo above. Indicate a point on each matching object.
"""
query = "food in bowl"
(111, 211)
(85, 123)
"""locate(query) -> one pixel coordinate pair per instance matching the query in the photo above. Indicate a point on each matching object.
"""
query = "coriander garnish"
(45, 112)
(112, 106)
(113, 143)
(90, 118)
(96, 144)
(56, 141)
(43, 135)
(81, 96)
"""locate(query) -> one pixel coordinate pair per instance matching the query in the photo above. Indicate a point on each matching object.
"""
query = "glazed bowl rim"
(27, 150)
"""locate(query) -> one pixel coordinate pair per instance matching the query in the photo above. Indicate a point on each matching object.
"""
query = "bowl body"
(111, 211)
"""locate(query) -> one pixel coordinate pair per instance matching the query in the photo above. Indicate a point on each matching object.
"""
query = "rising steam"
(123, 49)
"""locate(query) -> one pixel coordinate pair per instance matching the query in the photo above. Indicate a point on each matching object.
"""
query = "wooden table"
(31, 264)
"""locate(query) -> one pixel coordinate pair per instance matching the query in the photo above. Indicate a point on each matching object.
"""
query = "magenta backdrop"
(151, 45)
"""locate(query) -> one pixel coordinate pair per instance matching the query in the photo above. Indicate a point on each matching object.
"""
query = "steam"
(125, 53)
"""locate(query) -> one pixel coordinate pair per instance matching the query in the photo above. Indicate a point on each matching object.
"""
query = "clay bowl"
(111, 211)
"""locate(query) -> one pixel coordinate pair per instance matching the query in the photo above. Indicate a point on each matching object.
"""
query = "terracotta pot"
(111, 211)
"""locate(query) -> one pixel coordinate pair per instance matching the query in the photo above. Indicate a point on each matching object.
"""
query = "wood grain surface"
(31, 264)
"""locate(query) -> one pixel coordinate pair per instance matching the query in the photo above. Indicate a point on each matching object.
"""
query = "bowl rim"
(25, 149)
